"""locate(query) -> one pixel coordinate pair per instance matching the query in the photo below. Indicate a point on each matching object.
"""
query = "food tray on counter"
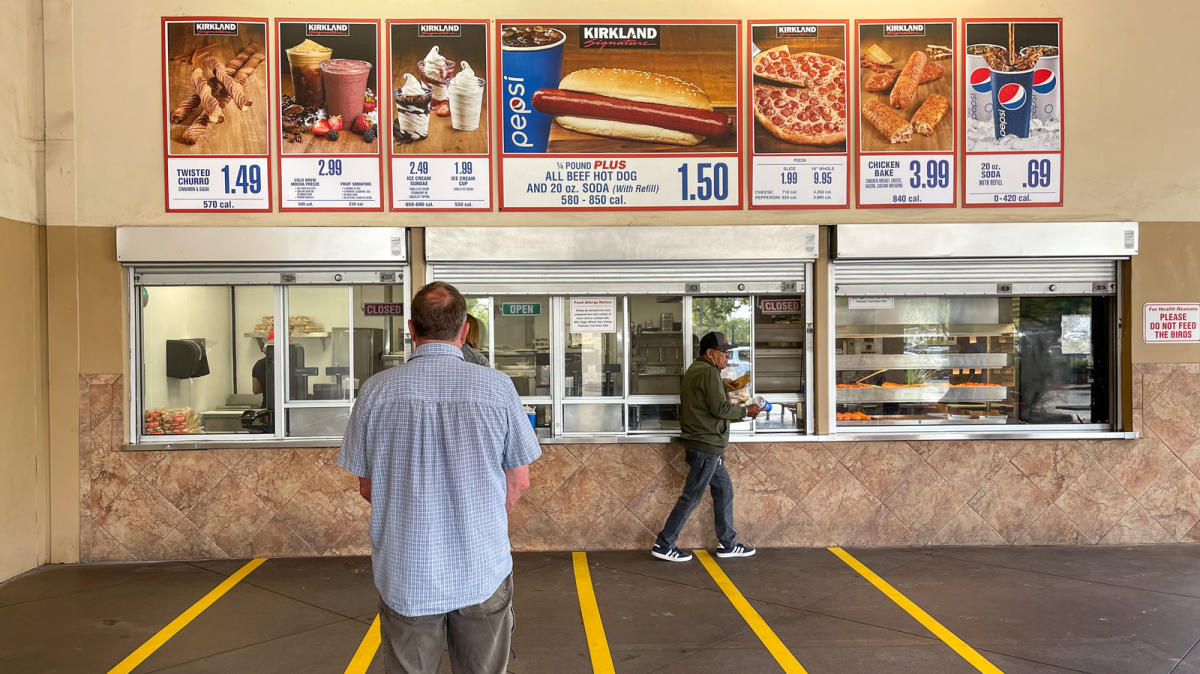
(927, 420)
(920, 361)
(922, 394)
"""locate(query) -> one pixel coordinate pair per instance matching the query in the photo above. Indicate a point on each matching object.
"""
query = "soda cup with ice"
(979, 83)
(1012, 102)
(1046, 96)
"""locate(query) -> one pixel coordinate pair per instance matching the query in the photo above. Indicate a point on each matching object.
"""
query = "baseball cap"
(714, 340)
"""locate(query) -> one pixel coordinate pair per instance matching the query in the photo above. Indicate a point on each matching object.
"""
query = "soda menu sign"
(1012, 110)
(215, 125)
(619, 116)
(906, 136)
(439, 152)
(1179, 323)
(329, 143)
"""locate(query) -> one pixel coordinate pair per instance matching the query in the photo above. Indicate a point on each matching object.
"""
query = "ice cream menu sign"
(330, 156)
(215, 126)
(905, 83)
(1013, 113)
(439, 149)
(798, 97)
(628, 116)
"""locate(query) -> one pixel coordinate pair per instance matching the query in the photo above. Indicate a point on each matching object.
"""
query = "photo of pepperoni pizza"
(799, 97)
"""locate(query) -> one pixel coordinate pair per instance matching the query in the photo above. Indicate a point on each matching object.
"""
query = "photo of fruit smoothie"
(345, 82)
(435, 71)
(305, 61)
(466, 99)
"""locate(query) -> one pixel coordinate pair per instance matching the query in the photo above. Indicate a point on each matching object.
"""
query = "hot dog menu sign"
(624, 116)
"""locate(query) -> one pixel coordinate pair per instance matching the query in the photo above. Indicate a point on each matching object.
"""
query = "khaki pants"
(478, 637)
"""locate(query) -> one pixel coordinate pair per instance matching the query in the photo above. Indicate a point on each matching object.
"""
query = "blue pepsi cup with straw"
(530, 59)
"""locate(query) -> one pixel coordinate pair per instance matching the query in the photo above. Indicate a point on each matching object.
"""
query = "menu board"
(439, 134)
(905, 85)
(629, 116)
(215, 127)
(330, 157)
(1013, 112)
(798, 99)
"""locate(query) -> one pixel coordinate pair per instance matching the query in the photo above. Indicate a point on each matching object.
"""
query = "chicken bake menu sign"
(216, 100)
(629, 116)
(906, 135)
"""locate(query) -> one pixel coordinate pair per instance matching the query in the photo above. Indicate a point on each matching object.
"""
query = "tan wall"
(1167, 269)
(24, 485)
(117, 166)
(22, 163)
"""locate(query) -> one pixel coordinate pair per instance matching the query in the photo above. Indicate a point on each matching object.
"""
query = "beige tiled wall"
(237, 503)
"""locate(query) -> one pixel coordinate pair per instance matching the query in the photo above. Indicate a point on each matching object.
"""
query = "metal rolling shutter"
(634, 276)
(1044, 276)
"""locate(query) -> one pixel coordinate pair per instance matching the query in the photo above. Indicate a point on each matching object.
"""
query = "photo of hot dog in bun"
(633, 104)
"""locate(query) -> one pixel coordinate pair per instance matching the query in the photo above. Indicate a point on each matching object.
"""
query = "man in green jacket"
(705, 434)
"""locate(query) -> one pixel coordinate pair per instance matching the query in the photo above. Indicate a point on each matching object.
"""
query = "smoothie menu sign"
(215, 126)
(1013, 112)
(329, 112)
(439, 149)
(906, 136)
(619, 116)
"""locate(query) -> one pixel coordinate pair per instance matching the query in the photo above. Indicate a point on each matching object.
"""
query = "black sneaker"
(671, 554)
(736, 550)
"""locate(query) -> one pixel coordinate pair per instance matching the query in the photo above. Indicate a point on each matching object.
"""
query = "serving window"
(249, 355)
(979, 355)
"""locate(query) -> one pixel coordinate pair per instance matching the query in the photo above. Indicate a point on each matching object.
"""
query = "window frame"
(279, 278)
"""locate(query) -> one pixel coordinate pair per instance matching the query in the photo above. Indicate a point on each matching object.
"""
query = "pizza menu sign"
(608, 116)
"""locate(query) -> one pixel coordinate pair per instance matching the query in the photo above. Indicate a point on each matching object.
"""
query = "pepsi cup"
(1045, 89)
(524, 71)
(979, 86)
(1012, 102)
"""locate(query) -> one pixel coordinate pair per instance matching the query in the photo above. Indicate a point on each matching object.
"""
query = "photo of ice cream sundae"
(412, 110)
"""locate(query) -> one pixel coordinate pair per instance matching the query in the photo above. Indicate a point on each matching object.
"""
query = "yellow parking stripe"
(969, 654)
(366, 650)
(155, 642)
(592, 626)
(765, 634)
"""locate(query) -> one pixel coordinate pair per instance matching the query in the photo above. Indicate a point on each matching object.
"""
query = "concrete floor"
(1043, 609)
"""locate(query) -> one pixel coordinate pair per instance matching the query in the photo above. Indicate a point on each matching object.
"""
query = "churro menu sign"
(905, 83)
(798, 98)
(628, 116)
(439, 149)
(1012, 111)
(330, 156)
(215, 125)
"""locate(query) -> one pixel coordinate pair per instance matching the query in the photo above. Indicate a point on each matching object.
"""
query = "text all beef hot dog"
(621, 103)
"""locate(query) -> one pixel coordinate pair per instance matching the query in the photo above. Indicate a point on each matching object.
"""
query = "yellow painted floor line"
(155, 642)
(592, 626)
(969, 654)
(765, 634)
(366, 650)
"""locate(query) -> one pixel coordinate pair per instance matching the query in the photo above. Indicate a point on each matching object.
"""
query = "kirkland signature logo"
(215, 28)
(316, 29)
(896, 29)
(795, 31)
(619, 37)
(439, 30)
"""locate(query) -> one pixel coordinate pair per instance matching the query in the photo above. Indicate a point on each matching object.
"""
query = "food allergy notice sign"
(593, 314)
(1012, 110)
(1178, 323)
(629, 116)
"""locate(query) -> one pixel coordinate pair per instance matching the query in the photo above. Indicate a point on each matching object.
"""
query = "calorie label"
(330, 182)
(914, 180)
(800, 180)
(217, 184)
(1013, 178)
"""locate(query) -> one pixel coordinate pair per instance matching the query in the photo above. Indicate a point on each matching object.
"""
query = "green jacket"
(706, 409)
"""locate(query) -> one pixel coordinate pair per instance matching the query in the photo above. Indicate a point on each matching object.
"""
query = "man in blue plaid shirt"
(442, 449)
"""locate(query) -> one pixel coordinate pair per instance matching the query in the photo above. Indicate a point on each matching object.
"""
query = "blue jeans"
(707, 470)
